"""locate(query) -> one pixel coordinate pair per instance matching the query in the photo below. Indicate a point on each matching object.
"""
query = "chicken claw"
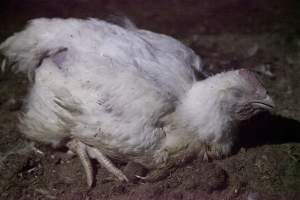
(105, 162)
(80, 149)
(85, 152)
(214, 152)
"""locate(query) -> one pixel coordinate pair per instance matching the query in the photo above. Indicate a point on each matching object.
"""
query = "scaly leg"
(81, 150)
(86, 152)
(105, 162)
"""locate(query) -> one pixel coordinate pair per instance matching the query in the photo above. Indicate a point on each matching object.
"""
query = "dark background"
(183, 17)
(263, 35)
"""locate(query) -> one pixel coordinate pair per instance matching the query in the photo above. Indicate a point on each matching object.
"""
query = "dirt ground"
(261, 35)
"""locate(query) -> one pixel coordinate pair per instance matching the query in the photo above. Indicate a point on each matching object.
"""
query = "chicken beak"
(266, 104)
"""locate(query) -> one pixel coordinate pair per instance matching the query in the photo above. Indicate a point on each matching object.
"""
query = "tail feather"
(21, 50)
(25, 50)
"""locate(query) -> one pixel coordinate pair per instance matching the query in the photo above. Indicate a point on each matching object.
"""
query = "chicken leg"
(85, 152)
(215, 151)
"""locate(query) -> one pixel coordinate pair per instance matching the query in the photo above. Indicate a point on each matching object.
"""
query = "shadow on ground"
(266, 128)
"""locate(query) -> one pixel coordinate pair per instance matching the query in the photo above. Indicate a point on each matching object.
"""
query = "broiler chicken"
(111, 92)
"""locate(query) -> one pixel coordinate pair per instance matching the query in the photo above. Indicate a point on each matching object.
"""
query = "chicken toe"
(81, 150)
(105, 162)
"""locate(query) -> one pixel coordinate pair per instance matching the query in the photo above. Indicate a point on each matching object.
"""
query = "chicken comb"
(251, 77)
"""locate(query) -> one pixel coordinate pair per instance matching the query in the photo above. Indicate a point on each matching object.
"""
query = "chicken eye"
(237, 93)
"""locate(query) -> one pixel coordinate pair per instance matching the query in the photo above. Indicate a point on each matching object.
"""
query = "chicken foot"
(85, 153)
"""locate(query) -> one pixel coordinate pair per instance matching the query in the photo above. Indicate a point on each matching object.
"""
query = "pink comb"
(251, 77)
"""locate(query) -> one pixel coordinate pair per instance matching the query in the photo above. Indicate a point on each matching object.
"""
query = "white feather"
(112, 88)
(136, 74)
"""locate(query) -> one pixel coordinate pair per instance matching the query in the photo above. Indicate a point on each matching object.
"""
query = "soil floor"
(260, 35)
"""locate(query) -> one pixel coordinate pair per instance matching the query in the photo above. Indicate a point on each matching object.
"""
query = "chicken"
(123, 93)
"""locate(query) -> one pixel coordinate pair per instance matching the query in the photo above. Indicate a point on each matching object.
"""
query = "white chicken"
(112, 92)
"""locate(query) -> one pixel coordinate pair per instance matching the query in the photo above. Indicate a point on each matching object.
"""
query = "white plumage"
(126, 93)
